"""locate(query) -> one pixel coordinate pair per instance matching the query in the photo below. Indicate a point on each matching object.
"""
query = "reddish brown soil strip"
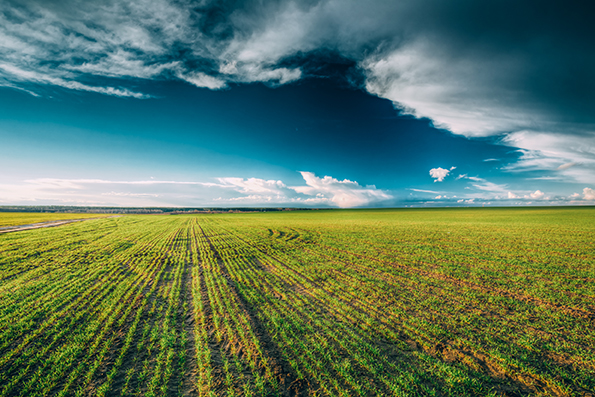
(445, 350)
(448, 352)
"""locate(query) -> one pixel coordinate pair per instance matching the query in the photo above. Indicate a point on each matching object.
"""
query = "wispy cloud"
(325, 191)
(200, 79)
(255, 186)
(67, 45)
(33, 76)
(494, 191)
(57, 183)
(487, 79)
(571, 156)
(426, 191)
(482, 184)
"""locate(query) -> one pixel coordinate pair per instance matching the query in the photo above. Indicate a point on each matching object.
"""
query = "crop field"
(441, 302)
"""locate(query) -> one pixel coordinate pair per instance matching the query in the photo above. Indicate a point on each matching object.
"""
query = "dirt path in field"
(186, 325)
(41, 225)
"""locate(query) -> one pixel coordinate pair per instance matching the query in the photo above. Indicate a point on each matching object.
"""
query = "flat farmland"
(440, 302)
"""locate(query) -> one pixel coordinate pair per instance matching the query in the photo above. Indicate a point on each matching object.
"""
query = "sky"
(297, 103)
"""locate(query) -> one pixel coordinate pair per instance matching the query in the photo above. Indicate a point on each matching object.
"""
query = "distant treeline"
(134, 210)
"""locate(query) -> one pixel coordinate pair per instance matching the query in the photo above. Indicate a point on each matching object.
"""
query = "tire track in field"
(299, 288)
(333, 312)
(445, 350)
(184, 380)
(392, 280)
(365, 311)
(478, 287)
(387, 250)
(449, 351)
(321, 306)
(215, 348)
(282, 370)
(545, 278)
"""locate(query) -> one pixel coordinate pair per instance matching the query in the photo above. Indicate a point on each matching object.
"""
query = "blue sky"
(302, 104)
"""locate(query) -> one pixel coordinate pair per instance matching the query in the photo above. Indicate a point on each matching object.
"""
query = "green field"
(25, 218)
(442, 302)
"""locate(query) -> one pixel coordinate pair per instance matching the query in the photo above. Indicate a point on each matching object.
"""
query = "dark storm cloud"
(519, 69)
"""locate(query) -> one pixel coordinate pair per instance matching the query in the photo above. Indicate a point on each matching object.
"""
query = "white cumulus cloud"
(343, 193)
(440, 173)
(535, 195)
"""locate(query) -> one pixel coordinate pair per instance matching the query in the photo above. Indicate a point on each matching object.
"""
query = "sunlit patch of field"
(457, 302)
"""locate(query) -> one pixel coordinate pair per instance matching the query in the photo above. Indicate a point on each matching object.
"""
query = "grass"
(452, 302)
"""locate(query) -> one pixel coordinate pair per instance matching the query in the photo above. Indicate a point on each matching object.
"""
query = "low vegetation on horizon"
(451, 302)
